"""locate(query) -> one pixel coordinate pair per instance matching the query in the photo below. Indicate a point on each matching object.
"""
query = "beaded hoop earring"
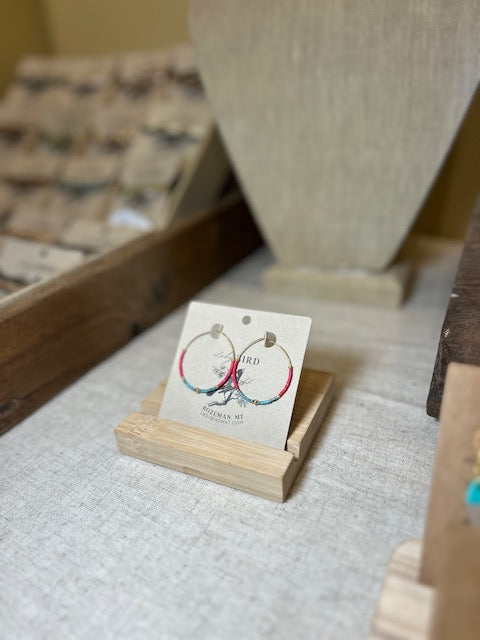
(216, 330)
(268, 342)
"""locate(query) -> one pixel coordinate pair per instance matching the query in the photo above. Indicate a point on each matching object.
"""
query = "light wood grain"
(456, 614)
(454, 461)
(337, 114)
(258, 469)
(381, 288)
(405, 606)
(254, 468)
(315, 392)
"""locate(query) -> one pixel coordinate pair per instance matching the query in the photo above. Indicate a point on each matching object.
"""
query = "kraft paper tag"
(182, 59)
(15, 117)
(178, 117)
(262, 373)
(119, 119)
(149, 67)
(153, 162)
(94, 235)
(94, 72)
(94, 166)
(29, 262)
(32, 217)
(151, 204)
(39, 165)
(87, 204)
(62, 115)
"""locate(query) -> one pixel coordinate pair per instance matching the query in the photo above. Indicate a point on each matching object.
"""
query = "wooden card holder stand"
(432, 590)
(258, 469)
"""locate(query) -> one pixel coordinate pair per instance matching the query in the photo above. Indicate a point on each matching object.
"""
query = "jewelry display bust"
(337, 116)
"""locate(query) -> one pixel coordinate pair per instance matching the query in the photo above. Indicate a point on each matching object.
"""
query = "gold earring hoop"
(215, 332)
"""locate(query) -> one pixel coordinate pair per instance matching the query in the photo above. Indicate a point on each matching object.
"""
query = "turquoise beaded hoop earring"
(215, 331)
(268, 342)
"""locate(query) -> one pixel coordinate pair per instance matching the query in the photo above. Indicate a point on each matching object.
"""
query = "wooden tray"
(54, 331)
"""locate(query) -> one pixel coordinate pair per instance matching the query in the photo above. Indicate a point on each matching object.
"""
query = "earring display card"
(236, 372)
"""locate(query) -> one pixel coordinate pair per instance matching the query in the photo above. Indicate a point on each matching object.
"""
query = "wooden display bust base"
(258, 469)
(377, 288)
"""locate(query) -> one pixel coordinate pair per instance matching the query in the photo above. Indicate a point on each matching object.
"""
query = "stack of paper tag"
(91, 152)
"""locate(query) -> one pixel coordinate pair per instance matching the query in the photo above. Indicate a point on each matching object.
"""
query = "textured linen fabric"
(99, 545)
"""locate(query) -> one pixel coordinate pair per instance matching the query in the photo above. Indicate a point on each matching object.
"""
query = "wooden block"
(254, 468)
(410, 610)
(382, 288)
(405, 606)
(454, 461)
(460, 335)
(49, 336)
(258, 469)
(317, 390)
(456, 614)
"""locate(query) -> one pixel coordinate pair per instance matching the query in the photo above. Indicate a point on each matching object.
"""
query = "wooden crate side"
(460, 335)
(53, 332)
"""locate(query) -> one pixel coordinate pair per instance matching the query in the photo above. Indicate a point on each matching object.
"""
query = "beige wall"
(22, 29)
(86, 26)
(448, 207)
(102, 26)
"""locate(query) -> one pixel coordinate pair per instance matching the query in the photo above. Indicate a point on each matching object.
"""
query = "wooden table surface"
(99, 545)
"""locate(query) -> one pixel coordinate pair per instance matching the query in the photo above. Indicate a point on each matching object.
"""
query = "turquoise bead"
(472, 494)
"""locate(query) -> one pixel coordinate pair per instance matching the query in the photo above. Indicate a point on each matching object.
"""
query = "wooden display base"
(405, 605)
(377, 288)
(258, 469)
